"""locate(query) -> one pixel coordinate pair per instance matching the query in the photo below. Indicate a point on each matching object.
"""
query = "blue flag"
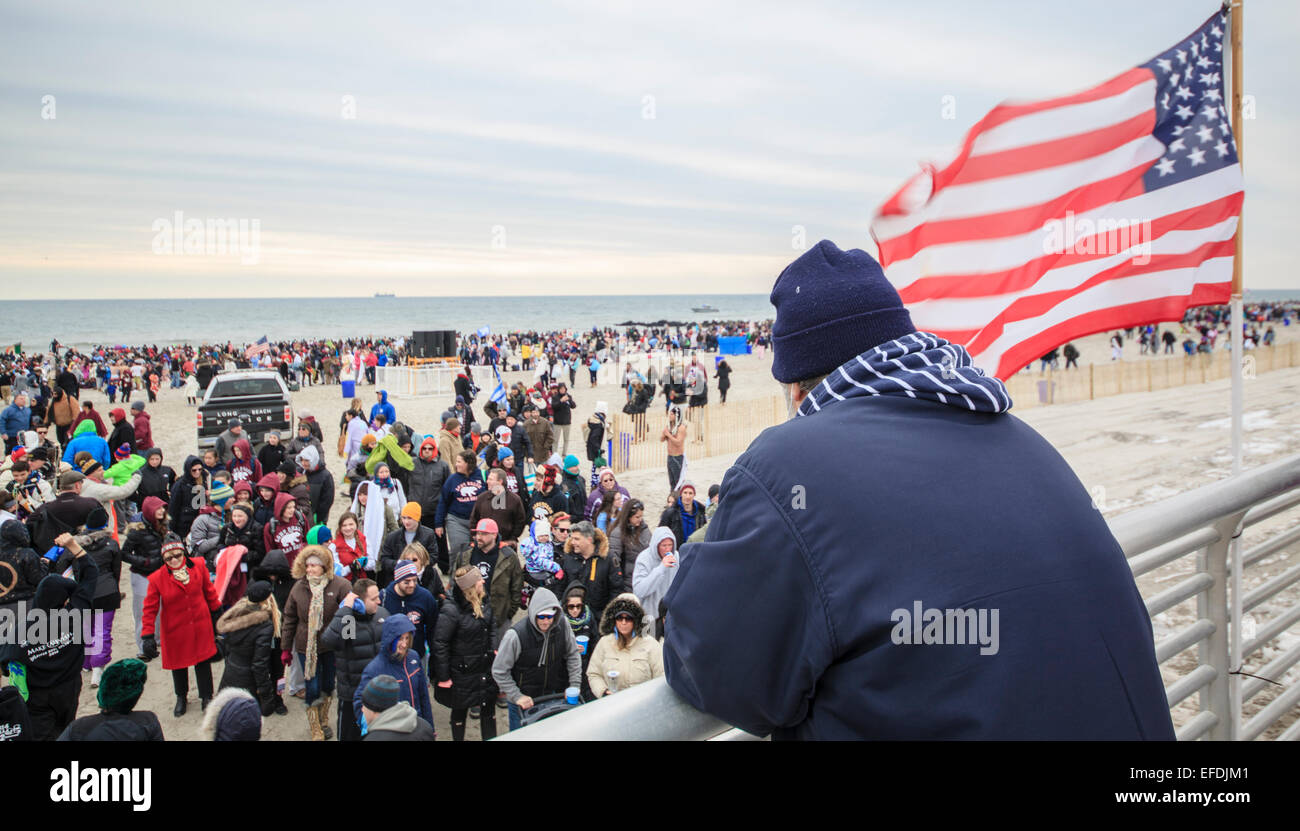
(499, 394)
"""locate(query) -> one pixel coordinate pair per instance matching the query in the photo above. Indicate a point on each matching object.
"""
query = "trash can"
(349, 389)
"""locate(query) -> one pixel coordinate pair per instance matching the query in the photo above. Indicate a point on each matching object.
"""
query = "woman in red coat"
(188, 601)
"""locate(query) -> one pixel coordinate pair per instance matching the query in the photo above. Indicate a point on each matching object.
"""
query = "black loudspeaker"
(434, 343)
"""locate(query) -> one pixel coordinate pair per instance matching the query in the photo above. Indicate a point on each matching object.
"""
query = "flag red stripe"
(1027, 275)
(1053, 153)
(1011, 223)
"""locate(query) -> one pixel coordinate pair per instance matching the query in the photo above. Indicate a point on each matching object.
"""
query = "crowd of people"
(237, 558)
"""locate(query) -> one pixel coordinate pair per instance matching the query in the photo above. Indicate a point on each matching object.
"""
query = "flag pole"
(1238, 355)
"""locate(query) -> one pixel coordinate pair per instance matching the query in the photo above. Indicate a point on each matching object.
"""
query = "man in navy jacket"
(904, 559)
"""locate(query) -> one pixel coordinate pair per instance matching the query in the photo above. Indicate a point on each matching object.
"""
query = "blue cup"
(571, 695)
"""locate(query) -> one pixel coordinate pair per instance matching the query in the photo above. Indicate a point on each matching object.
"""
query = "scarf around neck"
(919, 365)
(314, 615)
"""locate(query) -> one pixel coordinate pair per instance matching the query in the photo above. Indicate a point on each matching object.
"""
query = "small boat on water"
(704, 308)
(384, 294)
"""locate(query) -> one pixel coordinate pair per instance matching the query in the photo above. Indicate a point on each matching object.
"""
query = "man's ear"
(797, 394)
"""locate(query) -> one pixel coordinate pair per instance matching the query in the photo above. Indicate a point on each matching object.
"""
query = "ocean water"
(83, 323)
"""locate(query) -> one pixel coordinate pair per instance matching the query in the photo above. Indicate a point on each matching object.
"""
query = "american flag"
(1110, 208)
(258, 348)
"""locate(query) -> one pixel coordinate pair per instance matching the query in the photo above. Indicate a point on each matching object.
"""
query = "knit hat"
(446, 414)
(137, 405)
(234, 422)
(319, 535)
(174, 544)
(221, 494)
(413, 510)
(570, 463)
(233, 716)
(89, 466)
(122, 453)
(405, 569)
(121, 685)
(380, 694)
(469, 579)
(830, 306)
(97, 518)
(541, 528)
(288, 468)
(504, 453)
(258, 591)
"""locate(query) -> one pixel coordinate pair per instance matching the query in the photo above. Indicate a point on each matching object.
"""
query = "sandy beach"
(1129, 450)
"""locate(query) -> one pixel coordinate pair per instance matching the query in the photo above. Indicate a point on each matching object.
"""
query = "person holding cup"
(624, 648)
(584, 625)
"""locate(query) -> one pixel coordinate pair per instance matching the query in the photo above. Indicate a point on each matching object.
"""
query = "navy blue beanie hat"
(830, 306)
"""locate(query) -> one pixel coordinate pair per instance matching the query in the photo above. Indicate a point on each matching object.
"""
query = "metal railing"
(1205, 523)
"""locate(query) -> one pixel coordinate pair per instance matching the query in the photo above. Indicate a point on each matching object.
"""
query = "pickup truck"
(258, 398)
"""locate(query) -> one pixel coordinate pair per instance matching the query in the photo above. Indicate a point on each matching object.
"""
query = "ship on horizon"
(384, 294)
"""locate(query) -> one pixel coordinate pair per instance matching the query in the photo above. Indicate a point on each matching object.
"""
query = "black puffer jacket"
(29, 567)
(463, 651)
(250, 536)
(143, 548)
(155, 481)
(247, 630)
(353, 653)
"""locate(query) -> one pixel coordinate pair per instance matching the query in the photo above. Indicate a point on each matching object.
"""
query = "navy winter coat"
(785, 620)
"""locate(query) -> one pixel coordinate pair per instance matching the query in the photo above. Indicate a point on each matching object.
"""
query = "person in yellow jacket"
(636, 657)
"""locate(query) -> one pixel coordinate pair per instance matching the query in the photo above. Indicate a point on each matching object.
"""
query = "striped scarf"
(919, 365)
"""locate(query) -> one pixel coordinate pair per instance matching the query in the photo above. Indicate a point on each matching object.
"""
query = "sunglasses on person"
(170, 557)
(545, 616)
(574, 607)
(561, 529)
(624, 616)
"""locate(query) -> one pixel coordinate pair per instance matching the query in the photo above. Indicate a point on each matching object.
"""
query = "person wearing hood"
(225, 443)
(120, 689)
(399, 660)
(834, 653)
(313, 602)
(684, 515)
(428, 474)
(463, 647)
(123, 432)
(97, 540)
(536, 657)
(382, 407)
(242, 464)
(355, 633)
(500, 568)
(234, 716)
(156, 478)
(143, 431)
(655, 569)
(320, 483)
(268, 488)
(85, 438)
(586, 559)
(389, 719)
(293, 481)
(287, 530)
(271, 456)
(625, 649)
(189, 495)
(52, 666)
(181, 596)
(606, 484)
(88, 412)
(585, 628)
(249, 629)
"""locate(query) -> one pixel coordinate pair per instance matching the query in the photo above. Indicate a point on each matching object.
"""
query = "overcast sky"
(530, 148)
